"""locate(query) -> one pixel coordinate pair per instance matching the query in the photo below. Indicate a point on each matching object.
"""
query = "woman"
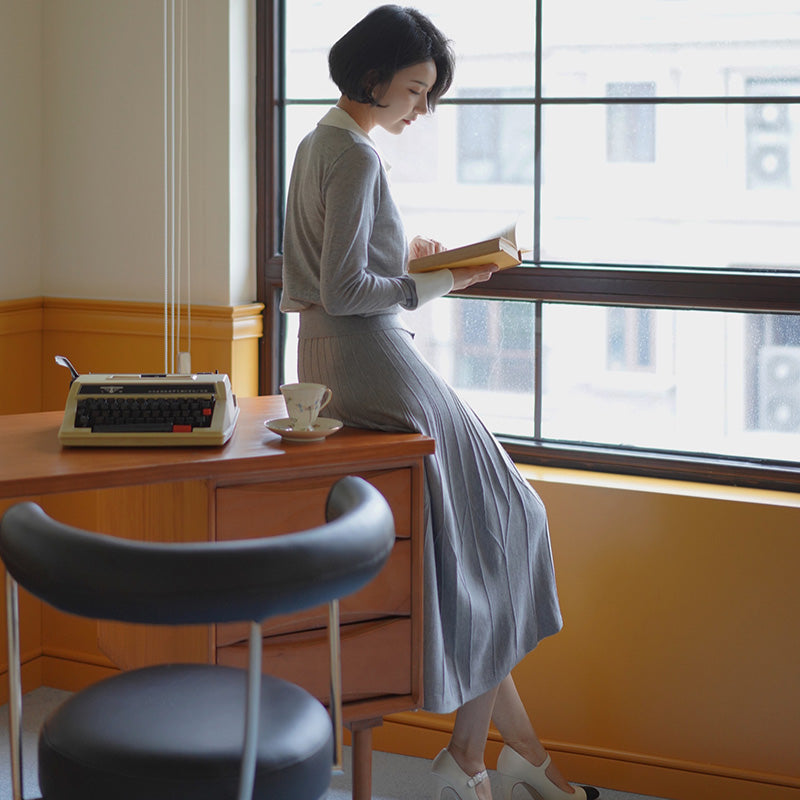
(490, 592)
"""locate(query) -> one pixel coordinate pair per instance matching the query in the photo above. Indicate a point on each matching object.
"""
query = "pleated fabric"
(490, 589)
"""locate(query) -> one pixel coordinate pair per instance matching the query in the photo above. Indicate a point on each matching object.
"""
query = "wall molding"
(117, 335)
(21, 353)
(21, 316)
(118, 316)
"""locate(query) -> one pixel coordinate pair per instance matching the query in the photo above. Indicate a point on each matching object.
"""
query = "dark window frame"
(764, 291)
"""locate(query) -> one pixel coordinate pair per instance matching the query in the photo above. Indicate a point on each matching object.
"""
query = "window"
(655, 327)
(629, 338)
(631, 129)
(494, 143)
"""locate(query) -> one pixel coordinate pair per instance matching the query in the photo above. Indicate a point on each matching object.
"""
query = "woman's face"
(405, 97)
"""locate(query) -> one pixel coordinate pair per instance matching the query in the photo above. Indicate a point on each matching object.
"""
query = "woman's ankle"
(470, 762)
(537, 757)
(533, 753)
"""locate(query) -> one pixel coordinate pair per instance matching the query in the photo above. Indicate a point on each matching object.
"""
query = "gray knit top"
(344, 244)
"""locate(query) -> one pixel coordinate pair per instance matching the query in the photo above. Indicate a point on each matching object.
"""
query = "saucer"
(320, 430)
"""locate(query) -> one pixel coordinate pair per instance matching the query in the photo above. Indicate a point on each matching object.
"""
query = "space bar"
(134, 427)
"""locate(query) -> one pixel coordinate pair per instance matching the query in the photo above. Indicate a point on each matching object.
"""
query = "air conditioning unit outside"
(779, 388)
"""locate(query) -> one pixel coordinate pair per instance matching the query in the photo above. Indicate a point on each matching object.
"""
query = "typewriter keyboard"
(144, 414)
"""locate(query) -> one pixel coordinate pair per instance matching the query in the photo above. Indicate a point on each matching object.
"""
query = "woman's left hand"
(420, 246)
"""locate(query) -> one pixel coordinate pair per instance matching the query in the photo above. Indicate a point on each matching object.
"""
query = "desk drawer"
(267, 509)
(388, 595)
(376, 659)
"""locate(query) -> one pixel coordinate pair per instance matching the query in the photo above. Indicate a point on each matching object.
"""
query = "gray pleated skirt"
(490, 589)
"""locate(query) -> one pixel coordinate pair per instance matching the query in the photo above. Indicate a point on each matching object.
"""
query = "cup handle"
(326, 398)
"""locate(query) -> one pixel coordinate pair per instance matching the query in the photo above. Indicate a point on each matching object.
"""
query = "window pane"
(500, 45)
(291, 324)
(484, 349)
(686, 48)
(312, 26)
(684, 185)
(696, 381)
(494, 142)
(456, 195)
(494, 48)
(631, 129)
(464, 172)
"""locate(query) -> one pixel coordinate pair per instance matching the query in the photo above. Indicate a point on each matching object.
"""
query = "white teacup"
(304, 401)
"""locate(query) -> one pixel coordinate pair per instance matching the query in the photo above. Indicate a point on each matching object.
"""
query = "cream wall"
(82, 151)
(20, 148)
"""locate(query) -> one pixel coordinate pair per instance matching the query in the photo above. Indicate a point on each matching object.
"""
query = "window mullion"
(537, 218)
(537, 373)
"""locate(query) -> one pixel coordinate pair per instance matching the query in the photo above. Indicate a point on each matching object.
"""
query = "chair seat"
(176, 731)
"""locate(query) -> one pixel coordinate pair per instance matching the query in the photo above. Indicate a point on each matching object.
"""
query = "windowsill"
(636, 483)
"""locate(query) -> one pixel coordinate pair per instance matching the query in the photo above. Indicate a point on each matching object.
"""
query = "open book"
(500, 249)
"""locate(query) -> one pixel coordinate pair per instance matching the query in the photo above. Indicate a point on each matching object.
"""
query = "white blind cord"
(166, 188)
(176, 183)
(184, 197)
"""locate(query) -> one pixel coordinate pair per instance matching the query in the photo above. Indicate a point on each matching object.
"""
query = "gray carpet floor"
(393, 777)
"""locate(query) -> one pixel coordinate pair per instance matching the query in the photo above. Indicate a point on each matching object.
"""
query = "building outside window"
(651, 151)
(631, 129)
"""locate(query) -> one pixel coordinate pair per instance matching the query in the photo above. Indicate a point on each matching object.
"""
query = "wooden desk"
(255, 485)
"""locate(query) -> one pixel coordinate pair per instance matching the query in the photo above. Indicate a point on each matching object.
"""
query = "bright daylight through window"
(650, 152)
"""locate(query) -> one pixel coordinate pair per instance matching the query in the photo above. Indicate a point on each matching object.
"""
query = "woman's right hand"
(466, 276)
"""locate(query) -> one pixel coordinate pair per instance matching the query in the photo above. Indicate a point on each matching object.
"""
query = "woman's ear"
(372, 86)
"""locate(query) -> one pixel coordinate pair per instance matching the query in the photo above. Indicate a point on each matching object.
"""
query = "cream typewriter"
(147, 410)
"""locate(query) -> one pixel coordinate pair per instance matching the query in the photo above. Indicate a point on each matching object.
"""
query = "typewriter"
(148, 410)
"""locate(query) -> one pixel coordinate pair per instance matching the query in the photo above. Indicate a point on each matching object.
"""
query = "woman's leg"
(512, 721)
(468, 742)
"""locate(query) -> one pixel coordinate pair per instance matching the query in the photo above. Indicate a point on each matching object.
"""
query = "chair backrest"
(104, 577)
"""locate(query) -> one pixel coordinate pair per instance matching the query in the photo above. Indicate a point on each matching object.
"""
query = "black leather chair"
(190, 731)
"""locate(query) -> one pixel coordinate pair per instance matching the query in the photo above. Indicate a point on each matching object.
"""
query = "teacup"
(304, 401)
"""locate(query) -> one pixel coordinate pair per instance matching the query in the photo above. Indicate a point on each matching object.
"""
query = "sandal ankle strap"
(478, 777)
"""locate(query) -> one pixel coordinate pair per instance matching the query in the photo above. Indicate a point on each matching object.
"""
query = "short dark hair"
(388, 39)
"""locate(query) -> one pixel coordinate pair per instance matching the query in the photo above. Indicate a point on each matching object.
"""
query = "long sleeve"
(344, 244)
(364, 248)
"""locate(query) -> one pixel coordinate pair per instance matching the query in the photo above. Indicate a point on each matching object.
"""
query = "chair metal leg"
(334, 639)
(14, 687)
(247, 774)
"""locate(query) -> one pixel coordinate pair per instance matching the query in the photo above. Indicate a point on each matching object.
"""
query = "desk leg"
(362, 757)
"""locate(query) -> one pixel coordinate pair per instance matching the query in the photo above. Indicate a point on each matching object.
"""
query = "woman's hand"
(462, 276)
(420, 246)
(466, 276)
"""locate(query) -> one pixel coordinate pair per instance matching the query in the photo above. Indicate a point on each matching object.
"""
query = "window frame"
(762, 291)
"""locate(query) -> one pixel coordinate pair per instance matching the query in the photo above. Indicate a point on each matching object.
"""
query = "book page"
(518, 230)
(519, 233)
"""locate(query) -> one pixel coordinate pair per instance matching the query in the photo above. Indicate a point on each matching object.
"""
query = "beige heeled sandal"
(518, 771)
(454, 782)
